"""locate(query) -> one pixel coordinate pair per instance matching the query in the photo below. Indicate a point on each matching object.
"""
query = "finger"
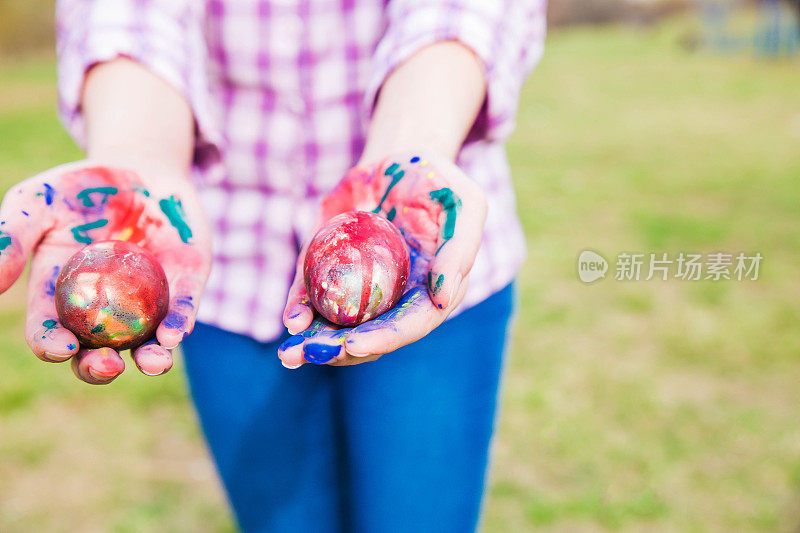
(411, 319)
(152, 359)
(50, 341)
(97, 367)
(461, 230)
(298, 313)
(25, 215)
(320, 343)
(350, 360)
(186, 268)
(47, 338)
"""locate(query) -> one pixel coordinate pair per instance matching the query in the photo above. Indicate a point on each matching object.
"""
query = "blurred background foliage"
(25, 25)
(628, 406)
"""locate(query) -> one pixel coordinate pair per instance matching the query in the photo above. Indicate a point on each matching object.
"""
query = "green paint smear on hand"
(451, 204)
(395, 178)
(174, 211)
(98, 328)
(87, 201)
(435, 287)
(391, 214)
(49, 324)
(79, 232)
(5, 242)
(315, 328)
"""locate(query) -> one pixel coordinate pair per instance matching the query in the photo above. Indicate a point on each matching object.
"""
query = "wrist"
(432, 100)
(407, 138)
(372, 156)
(154, 172)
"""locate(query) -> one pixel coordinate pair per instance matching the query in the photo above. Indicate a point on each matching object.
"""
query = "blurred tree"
(25, 26)
(568, 12)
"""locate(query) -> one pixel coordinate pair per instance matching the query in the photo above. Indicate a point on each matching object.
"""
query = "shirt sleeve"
(165, 36)
(506, 35)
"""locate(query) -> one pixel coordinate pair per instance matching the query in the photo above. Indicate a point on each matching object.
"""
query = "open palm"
(441, 213)
(54, 214)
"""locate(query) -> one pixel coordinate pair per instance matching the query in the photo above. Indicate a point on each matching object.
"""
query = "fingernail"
(56, 356)
(291, 367)
(319, 354)
(146, 373)
(98, 376)
(291, 341)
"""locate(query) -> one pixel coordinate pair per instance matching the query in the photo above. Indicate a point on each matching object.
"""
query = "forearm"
(136, 120)
(430, 101)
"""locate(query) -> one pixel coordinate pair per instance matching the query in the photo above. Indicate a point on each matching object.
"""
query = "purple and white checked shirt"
(281, 92)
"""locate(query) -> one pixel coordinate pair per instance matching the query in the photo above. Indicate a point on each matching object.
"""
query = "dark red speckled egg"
(356, 268)
(112, 293)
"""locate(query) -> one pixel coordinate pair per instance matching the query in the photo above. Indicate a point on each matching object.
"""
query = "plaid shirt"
(281, 92)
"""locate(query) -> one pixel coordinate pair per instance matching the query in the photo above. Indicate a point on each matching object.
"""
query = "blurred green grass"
(658, 406)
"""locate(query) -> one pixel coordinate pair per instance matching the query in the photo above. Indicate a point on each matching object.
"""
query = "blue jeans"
(397, 445)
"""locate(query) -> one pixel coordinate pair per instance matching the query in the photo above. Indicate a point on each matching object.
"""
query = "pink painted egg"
(112, 293)
(356, 268)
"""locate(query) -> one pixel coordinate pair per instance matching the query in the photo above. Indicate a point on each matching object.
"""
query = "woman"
(234, 122)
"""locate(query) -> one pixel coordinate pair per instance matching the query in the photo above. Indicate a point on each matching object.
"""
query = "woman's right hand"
(56, 213)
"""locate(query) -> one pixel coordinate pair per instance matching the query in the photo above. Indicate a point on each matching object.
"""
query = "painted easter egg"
(356, 268)
(112, 293)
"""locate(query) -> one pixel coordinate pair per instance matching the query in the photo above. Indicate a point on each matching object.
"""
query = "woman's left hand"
(441, 214)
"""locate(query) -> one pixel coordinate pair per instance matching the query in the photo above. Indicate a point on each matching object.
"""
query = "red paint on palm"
(356, 268)
(114, 195)
(112, 294)
(415, 213)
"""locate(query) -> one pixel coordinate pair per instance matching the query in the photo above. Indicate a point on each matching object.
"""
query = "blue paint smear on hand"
(185, 301)
(50, 284)
(175, 320)
(294, 340)
(319, 354)
(411, 301)
(49, 192)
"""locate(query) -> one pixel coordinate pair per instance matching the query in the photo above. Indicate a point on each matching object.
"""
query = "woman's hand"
(54, 214)
(441, 213)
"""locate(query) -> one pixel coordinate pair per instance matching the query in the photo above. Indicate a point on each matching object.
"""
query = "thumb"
(461, 231)
(25, 216)
(298, 313)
